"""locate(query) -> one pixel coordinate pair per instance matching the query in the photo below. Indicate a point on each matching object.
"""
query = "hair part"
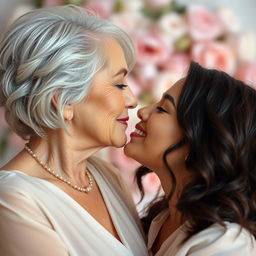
(47, 52)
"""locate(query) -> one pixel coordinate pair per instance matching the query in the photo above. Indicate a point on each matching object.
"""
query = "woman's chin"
(127, 150)
(120, 143)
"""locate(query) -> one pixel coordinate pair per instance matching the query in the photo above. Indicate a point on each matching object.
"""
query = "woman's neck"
(63, 154)
(175, 218)
(170, 225)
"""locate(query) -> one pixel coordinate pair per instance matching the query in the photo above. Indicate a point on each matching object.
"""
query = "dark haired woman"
(200, 139)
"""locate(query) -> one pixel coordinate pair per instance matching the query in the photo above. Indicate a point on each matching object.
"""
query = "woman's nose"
(130, 99)
(145, 112)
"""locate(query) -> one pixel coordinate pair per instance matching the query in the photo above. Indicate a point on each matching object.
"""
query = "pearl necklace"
(52, 172)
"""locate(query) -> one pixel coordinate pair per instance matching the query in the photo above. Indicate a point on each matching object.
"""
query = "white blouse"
(213, 241)
(38, 218)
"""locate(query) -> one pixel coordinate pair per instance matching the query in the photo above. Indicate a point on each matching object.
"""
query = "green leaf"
(181, 9)
(75, 2)
(157, 13)
(183, 44)
(152, 14)
(38, 3)
(147, 98)
(118, 6)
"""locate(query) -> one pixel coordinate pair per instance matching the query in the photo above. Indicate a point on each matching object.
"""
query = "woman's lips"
(123, 120)
(139, 132)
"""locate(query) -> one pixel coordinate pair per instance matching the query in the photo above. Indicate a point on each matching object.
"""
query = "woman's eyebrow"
(170, 98)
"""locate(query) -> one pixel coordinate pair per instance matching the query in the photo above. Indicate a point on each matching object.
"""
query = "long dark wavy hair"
(217, 114)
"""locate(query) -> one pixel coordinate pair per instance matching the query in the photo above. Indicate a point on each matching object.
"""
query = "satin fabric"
(38, 218)
(213, 241)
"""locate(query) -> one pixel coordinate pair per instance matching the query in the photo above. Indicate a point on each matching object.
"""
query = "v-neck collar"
(155, 227)
(106, 196)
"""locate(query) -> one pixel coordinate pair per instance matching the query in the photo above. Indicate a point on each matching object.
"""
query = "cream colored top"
(37, 218)
(213, 241)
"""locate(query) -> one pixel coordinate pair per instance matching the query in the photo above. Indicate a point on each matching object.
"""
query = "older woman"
(200, 139)
(63, 86)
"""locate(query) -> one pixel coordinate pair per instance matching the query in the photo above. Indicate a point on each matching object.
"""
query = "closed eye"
(121, 86)
(161, 109)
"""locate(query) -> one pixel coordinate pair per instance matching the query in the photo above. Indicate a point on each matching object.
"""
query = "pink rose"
(144, 74)
(203, 24)
(176, 63)
(215, 55)
(152, 47)
(126, 20)
(173, 69)
(247, 73)
(104, 8)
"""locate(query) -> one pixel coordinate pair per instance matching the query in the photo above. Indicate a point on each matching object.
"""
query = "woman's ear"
(68, 109)
(68, 112)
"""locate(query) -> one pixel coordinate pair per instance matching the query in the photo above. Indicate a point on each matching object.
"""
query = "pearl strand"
(52, 172)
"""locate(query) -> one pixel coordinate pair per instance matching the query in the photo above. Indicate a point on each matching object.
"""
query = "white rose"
(173, 24)
(132, 5)
(246, 47)
(215, 55)
(230, 21)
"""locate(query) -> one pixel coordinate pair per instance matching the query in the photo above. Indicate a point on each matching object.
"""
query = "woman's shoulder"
(12, 178)
(17, 193)
(227, 239)
(14, 182)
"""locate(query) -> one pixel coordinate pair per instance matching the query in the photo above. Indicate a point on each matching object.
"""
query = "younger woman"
(200, 139)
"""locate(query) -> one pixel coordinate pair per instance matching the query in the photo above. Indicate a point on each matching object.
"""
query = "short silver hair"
(48, 51)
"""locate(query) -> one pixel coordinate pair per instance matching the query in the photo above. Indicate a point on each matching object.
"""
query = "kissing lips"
(123, 120)
(139, 132)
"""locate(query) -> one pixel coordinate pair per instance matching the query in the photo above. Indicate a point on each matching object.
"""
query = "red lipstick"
(137, 126)
(139, 132)
(123, 120)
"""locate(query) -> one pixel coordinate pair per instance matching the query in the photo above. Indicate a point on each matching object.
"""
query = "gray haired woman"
(63, 87)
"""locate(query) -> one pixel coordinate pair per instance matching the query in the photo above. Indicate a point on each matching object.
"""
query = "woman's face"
(101, 119)
(158, 130)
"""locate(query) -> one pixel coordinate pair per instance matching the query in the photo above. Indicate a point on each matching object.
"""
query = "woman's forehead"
(175, 90)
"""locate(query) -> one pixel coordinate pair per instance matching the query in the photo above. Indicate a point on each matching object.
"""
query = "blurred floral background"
(167, 36)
